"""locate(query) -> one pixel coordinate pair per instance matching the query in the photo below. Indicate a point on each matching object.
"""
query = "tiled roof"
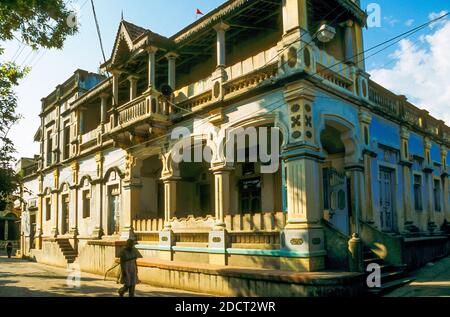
(133, 30)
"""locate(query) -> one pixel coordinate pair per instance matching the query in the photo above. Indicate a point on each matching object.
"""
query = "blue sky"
(167, 17)
(398, 16)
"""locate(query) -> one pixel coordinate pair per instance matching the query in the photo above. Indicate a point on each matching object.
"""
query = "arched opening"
(196, 187)
(10, 227)
(152, 190)
(257, 185)
(336, 185)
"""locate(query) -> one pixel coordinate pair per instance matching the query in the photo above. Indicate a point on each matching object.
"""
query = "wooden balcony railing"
(145, 106)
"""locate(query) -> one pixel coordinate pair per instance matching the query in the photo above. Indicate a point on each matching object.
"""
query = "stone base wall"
(226, 281)
(49, 254)
(418, 252)
(97, 257)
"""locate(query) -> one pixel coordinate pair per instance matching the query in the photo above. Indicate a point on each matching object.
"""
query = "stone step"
(391, 276)
(390, 286)
(367, 261)
(73, 253)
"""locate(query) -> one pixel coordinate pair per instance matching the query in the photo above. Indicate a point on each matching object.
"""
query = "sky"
(417, 67)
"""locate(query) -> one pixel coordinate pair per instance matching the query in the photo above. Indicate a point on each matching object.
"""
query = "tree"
(39, 23)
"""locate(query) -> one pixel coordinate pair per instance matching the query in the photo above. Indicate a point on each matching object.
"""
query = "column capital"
(427, 143)
(116, 72)
(365, 117)
(133, 78)
(404, 133)
(221, 168)
(171, 55)
(151, 49)
(221, 26)
(348, 24)
(104, 95)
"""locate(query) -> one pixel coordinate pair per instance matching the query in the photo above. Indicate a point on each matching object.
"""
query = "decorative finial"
(121, 16)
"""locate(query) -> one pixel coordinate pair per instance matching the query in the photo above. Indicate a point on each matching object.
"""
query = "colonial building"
(362, 175)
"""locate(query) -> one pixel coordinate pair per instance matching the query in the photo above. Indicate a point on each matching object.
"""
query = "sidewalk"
(432, 280)
(20, 278)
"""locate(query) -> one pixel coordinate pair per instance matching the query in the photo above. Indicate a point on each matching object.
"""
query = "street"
(19, 278)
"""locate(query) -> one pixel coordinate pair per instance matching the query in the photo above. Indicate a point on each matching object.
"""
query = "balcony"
(143, 116)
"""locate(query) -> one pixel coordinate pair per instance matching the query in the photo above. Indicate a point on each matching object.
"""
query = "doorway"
(65, 215)
(386, 200)
(113, 211)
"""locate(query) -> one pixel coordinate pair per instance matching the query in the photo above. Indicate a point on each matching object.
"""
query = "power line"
(98, 31)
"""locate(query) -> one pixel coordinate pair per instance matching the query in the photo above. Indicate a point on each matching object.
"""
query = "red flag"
(199, 12)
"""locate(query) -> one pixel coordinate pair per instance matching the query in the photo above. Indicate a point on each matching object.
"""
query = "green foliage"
(8, 184)
(40, 23)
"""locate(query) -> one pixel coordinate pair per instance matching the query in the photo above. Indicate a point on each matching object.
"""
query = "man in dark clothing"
(128, 269)
(9, 249)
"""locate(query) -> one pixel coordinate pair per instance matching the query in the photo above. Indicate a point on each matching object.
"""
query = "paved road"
(432, 280)
(19, 278)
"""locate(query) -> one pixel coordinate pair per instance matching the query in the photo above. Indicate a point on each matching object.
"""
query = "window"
(437, 195)
(250, 190)
(418, 205)
(48, 209)
(86, 204)
(49, 148)
(66, 149)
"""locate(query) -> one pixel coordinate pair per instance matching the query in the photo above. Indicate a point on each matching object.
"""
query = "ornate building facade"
(362, 170)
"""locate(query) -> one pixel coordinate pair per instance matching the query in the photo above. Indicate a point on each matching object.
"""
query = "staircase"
(392, 276)
(66, 248)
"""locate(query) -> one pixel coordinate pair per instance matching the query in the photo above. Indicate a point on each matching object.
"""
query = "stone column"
(303, 232)
(39, 215)
(133, 86)
(98, 230)
(151, 66)
(221, 28)
(115, 87)
(222, 195)
(55, 204)
(219, 75)
(348, 42)
(115, 97)
(359, 46)
(131, 196)
(356, 172)
(406, 165)
(6, 230)
(303, 160)
(218, 239)
(445, 182)
(428, 172)
(171, 58)
(295, 15)
(170, 200)
(74, 200)
(365, 118)
(170, 176)
(81, 123)
(103, 107)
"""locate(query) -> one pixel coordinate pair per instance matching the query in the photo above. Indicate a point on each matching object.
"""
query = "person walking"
(9, 249)
(128, 269)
